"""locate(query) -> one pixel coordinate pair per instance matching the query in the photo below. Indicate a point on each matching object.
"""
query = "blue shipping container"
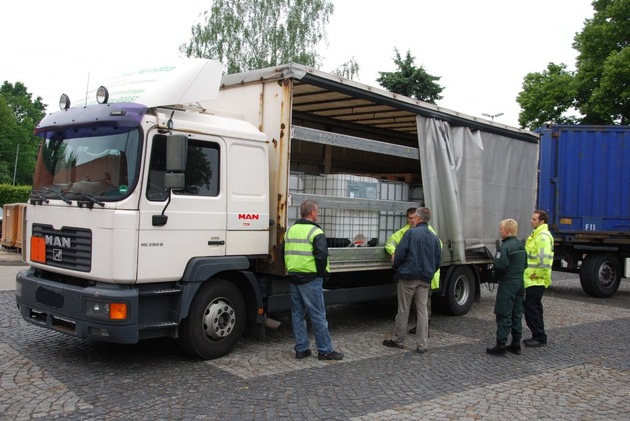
(584, 178)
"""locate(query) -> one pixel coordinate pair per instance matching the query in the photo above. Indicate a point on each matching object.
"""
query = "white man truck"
(159, 209)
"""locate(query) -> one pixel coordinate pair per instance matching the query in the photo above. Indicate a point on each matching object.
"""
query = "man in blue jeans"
(306, 260)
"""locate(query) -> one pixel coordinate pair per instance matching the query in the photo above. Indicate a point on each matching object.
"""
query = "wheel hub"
(606, 275)
(219, 319)
(461, 290)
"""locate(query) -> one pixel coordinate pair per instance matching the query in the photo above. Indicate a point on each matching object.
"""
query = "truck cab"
(126, 196)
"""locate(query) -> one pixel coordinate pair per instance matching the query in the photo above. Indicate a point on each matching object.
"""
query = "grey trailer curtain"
(471, 181)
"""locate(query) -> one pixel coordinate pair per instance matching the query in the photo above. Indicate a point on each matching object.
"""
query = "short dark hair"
(542, 215)
(410, 211)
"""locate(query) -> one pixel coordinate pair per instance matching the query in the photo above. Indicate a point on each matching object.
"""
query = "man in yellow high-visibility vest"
(537, 277)
(306, 260)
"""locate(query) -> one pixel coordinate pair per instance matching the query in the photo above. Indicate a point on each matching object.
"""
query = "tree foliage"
(410, 80)
(603, 64)
(19, 114)
(547, 96)
(348, 70)
(253, 34)
(599, 88)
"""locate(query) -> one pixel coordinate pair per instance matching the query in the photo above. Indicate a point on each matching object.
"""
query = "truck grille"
(67, 248)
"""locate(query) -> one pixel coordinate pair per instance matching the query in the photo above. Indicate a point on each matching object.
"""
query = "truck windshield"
(99, 166)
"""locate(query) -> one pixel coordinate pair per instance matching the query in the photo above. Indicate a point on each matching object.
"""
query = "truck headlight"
(105, 310)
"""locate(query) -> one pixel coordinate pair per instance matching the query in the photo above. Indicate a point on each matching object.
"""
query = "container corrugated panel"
(10, 224)
(19, 236)
(584, 177)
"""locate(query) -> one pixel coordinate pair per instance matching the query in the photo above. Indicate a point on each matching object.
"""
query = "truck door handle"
(216, 243)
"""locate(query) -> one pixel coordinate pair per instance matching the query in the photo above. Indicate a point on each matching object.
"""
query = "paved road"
(10, 263)
(583, 374)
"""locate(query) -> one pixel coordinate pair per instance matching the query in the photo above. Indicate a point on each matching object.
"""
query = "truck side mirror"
(176, 154)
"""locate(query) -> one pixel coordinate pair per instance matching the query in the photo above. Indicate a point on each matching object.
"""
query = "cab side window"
(202, 169)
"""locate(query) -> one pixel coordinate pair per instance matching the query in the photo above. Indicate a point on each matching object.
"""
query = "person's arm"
(394, 239)
(545, 243)
(501, 260)
(320, 251)
(401, 250)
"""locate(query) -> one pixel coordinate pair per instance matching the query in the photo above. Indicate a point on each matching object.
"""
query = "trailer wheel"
(215, 322)
(459, 294)
(600, 274)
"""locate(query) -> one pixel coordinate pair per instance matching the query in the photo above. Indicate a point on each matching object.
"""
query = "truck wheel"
(215, 321)
(600, 274)
(460, 292)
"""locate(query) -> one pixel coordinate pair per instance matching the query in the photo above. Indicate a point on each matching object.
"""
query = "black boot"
(514, 347)
(498, 350)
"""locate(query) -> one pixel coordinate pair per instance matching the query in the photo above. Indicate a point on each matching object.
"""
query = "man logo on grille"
(54, 240)
(57, 255)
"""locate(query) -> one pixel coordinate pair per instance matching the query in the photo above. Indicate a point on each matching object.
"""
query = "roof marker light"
(64, 102)
(102, 95)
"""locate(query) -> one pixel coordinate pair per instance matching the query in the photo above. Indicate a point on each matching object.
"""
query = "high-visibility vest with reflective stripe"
(298, 248)
(394, 239)
(435, 282)
(539, 247)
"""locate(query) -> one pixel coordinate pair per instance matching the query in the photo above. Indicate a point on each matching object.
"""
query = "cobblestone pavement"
(582, 374)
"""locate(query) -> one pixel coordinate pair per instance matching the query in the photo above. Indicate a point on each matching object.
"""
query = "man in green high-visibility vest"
(306, 260)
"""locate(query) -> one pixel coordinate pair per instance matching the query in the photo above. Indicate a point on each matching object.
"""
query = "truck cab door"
(194, 219)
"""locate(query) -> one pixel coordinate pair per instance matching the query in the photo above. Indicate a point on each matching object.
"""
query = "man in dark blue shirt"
(417, 258)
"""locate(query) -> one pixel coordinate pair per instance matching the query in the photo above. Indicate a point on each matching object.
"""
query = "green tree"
(19, 114)
(599, 88)
(410, 80)
(348, 70)
(253, 34)
(603, 64)
(547, 96)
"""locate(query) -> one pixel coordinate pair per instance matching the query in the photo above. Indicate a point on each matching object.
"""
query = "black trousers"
(533, 310)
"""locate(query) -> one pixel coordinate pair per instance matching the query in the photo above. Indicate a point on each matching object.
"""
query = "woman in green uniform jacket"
(509, 265)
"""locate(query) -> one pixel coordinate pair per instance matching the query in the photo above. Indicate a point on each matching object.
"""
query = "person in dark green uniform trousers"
(509, 265)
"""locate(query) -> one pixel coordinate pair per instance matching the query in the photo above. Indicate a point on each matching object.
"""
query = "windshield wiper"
(40, 198)
(90, 202)
(59, 194)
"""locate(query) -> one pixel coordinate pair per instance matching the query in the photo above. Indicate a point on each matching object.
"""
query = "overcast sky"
(481, 49)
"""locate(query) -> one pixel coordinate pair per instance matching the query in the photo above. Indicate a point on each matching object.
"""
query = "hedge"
(14, 194)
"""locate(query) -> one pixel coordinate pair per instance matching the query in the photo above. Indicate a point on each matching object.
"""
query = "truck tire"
(600, 274)
(215, 322)
(459, 294)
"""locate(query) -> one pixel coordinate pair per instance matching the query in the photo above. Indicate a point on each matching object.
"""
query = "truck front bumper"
(63, 308)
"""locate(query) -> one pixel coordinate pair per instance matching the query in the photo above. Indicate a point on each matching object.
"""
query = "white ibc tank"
(296, 185)
(390, 222)
(345, 227)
